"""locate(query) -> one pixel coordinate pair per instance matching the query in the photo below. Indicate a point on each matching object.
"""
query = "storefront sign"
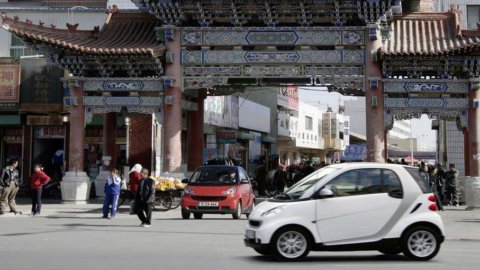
(288, 97)
(226, 136)
(9, 87)
(346, 130)
(41, 85)
(355, 152)
(49, 133)
(44, 120)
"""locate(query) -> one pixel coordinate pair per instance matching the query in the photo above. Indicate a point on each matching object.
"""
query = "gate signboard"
(9, 87)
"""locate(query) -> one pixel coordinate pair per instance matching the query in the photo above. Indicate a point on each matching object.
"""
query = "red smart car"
(218, 189)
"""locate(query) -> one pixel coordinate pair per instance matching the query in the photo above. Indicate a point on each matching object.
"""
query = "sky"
(421, 128)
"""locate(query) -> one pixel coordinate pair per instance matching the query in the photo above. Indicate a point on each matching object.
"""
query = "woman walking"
(134, 176)
(39, 179)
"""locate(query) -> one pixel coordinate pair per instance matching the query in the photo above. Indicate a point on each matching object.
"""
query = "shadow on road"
(341, 258)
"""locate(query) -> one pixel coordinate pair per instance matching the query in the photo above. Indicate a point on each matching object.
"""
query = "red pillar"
(374, 103)
(172, 120)
(140, 141)
(474, 134)
(27, 154)
(195, 135)
(77, 132)
(109, 139)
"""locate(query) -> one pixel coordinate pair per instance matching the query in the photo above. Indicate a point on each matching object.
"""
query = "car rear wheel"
(185, 214)
(290, 244)
(238, 211)
(197, 215)
(421, 243)
(248, 214)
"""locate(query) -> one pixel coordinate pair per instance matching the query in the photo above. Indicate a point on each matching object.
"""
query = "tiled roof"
(429, 34)
(122, 33)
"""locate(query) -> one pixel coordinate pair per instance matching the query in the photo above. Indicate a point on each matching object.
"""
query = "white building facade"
(470, 11)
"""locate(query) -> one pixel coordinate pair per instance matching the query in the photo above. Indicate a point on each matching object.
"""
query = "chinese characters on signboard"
(346, 130)
(9, 87)
(288, 97)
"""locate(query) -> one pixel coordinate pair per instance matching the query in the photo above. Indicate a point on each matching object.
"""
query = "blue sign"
(123, 85)
(355, 152)
(426, 87)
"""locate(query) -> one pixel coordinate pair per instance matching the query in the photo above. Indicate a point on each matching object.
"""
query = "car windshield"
(297, 191)
(218, 176)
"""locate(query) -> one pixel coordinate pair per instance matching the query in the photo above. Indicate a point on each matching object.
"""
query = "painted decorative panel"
(449, 103)
(212, 57)
(272, 70)
(137, 109)
(201, 83)
(272, 37)
(122, 101)
(122, 84)
(316, 70)
(425, 86)
(213, 70)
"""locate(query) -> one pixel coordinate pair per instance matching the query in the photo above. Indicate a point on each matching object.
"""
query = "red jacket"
(39, 179)
(135, 178)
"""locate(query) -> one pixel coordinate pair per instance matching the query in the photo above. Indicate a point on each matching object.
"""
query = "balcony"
(333, 144)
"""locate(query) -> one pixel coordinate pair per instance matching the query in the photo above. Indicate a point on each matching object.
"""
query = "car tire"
(391, 251)
(248, 214)
(185, 214)
(263, 251)
(238, 211)
(197, 215)
(283, 247)
(420, 243)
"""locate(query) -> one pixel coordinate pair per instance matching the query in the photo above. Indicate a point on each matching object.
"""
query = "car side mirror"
(244, 181)
(325, 193)
(185, 181)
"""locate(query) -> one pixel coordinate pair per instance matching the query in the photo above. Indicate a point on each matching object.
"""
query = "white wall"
(308, 138)
(444, 5)
(253, 116)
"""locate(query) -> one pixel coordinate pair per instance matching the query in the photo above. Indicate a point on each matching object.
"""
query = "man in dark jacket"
(144, 199)
(308, 169)
(451, 186)
(261, 178)
(10, 182)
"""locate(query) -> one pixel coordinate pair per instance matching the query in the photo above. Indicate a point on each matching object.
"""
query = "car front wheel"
(238, 211)
(421, 243)
(290, 244)
(197, 215)
(185, 214)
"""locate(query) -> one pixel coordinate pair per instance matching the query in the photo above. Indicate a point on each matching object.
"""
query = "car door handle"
(396, 193)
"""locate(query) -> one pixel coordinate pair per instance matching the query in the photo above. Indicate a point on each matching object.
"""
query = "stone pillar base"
(100, 183)
(472, 193)
(75, 187)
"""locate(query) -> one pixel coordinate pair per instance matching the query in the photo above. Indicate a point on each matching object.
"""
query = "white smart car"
(350, 206)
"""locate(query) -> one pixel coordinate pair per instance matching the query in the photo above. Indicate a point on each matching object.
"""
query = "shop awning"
(6, 120)
(268, 139)
(245, 136)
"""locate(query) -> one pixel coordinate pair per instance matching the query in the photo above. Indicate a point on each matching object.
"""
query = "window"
(357, 182)
(308, 123)
(18, 48)
(243, 175)
(391, 181)
(421, 181)
(473, 16)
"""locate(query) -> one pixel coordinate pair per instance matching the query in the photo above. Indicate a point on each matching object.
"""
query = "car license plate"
(208, 204)
(250, 234)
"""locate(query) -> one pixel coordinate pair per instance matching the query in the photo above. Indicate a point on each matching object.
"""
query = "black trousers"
(144, 212)
(36, 200)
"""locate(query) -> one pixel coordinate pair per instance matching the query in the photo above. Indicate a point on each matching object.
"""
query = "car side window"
(357, 182)
(243, 175)
(391, 181)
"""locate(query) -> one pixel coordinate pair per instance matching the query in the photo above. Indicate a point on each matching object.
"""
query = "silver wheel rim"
(291, 244)
(422, 243)
(239, 210)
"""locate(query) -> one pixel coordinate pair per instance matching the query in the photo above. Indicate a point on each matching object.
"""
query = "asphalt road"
(77, 238)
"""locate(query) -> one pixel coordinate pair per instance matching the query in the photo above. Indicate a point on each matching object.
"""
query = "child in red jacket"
(39, 178)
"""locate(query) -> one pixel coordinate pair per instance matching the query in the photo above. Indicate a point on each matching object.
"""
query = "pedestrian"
(441, 183)
(451, 186)
(10, 181)
(135, 176)
(433, 182)
(261, 178)
(308, 169)
(38, 180)
(144, 199)
(112, 192)
(280, 179)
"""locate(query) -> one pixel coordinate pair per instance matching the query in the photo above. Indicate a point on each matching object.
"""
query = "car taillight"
(432, 198)
(433, 207)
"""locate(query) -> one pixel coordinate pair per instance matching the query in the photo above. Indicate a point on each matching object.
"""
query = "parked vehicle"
(347, 207)
(218, 189)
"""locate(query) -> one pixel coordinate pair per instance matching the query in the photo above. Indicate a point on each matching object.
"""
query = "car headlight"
(231, 191)
(189, 191)
(273, 211)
